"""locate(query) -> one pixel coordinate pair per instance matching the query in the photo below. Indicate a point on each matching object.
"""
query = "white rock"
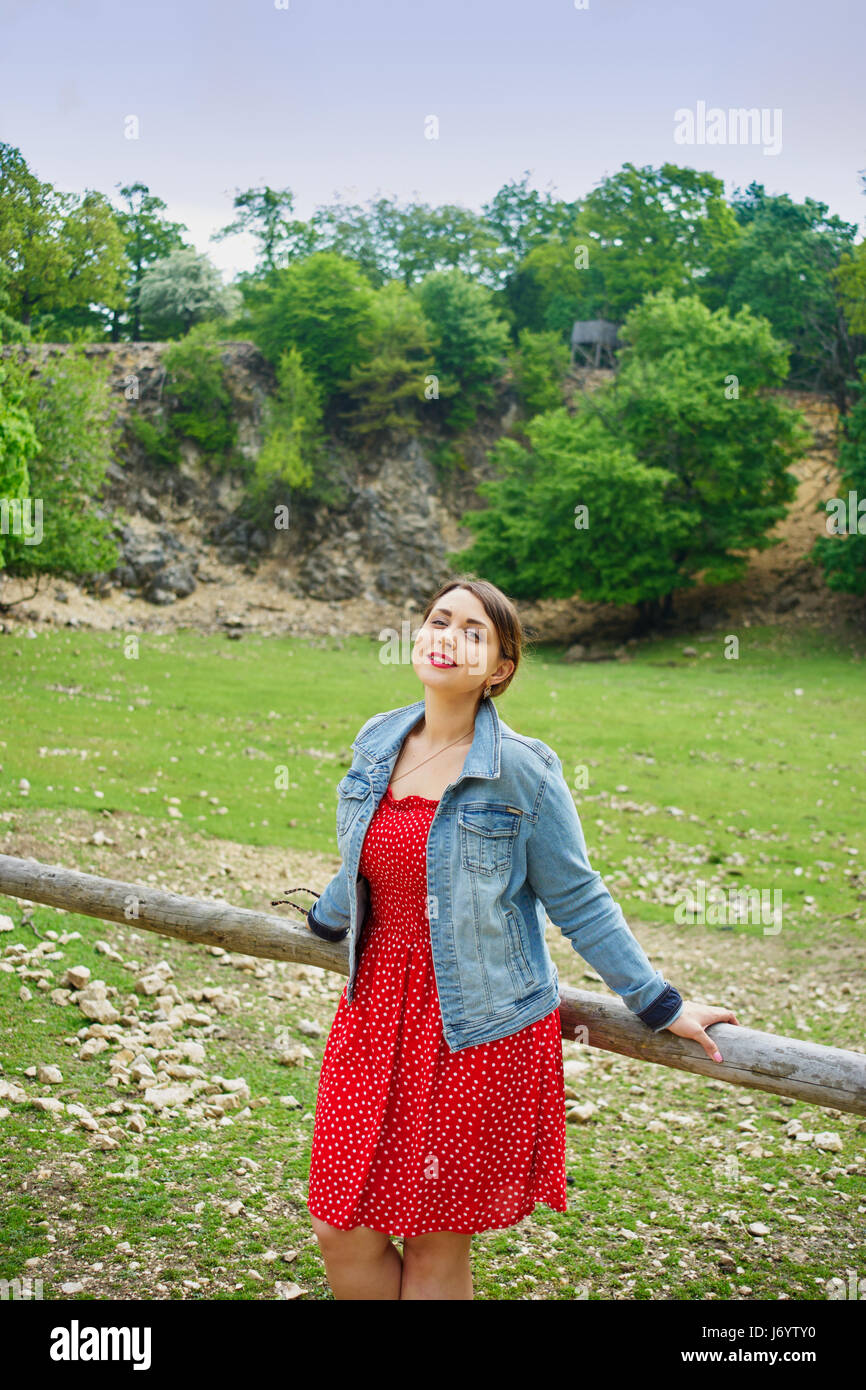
(142, 1070)
(581, 1114)
(160, 1096)
(52, 1076)
(103, 1141)
(9, 1091)
(757, 1228)
(78, 976)
(98, 1009)
(106, 949)
(151, 983)
(828, 1139)
(292, 1054)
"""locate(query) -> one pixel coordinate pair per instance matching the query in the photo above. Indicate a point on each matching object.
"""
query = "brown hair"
(501, 612)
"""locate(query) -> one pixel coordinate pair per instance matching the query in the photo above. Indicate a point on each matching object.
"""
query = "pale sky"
(331, 97)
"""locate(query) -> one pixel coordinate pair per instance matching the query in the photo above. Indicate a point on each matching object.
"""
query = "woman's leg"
(436, 1266)
(360, 1263)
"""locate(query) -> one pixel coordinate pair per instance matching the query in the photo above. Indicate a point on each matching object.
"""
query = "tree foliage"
(470, 343)
(67, 398)
(322, 306)
(540, 366)
(386, 385)
(18, 446)
(149, 237)
(180, 290)
(682, 463)
(841, 553)
(293, 438)
(63, 254)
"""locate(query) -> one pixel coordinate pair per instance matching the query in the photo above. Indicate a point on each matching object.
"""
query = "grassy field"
(209, 766)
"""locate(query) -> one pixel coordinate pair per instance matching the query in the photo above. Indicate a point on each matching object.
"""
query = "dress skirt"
(410, 1137)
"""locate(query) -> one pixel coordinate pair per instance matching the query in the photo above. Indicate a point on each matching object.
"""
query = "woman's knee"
(438, 1248)
(359, 1243)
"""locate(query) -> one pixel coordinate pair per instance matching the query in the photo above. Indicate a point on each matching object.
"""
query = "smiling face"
(457, 649)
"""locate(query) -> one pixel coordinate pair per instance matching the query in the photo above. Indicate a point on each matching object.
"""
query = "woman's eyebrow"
(473, 622)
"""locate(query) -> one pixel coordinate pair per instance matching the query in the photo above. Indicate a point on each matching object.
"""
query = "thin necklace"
(432, 755)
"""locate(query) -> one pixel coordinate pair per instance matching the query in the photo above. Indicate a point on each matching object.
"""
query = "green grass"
(770, 782)
(777, 776)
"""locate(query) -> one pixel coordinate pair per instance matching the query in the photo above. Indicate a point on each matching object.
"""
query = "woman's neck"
(445, 720)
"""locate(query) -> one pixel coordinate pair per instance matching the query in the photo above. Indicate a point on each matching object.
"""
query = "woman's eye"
(472, 631)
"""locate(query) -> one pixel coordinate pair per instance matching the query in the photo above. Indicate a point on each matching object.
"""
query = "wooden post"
(825, 1076)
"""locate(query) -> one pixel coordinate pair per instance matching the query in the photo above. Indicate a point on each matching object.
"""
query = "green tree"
(558, 282)
(387, 383)
(149, 237)
(524, 219)
(320, 305)
(197, 400)
(68, 399)
(470, 342)
(63, 254)
(850, 277)
(531, 540)
(18, 446)
(660, 228)
(293, 438)
(783, 269)
(265, 214)
(841, 554)
(541, 364)
(699, 450)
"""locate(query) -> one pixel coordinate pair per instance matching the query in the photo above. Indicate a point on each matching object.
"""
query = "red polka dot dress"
(410, 1137)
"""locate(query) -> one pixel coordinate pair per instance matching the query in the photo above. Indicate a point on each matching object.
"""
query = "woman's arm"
(577, 901)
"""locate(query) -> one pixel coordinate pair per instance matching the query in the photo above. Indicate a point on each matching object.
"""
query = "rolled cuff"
(320, 929)
(663, 1010)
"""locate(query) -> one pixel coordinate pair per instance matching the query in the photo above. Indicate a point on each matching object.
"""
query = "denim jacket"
(505, 845)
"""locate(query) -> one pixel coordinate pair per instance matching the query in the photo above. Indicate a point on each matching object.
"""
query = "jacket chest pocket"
(352, 792)
(487, 839)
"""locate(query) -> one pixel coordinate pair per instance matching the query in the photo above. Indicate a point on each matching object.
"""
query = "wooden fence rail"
(825, 1076)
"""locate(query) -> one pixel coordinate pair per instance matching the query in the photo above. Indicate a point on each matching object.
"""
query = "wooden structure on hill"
(598, 333)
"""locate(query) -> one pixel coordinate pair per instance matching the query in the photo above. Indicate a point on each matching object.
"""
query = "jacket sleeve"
(331, 918)
(577, 901)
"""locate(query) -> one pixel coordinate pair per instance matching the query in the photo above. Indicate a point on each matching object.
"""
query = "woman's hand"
(692, 1021)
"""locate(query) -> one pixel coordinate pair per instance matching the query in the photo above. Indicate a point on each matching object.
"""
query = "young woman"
(441, 1107)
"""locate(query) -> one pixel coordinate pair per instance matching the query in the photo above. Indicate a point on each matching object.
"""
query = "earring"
(486, 691)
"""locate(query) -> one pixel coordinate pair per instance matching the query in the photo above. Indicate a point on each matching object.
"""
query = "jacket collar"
(383, 741)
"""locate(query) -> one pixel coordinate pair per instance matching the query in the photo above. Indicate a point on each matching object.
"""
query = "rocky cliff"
(189, 556)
